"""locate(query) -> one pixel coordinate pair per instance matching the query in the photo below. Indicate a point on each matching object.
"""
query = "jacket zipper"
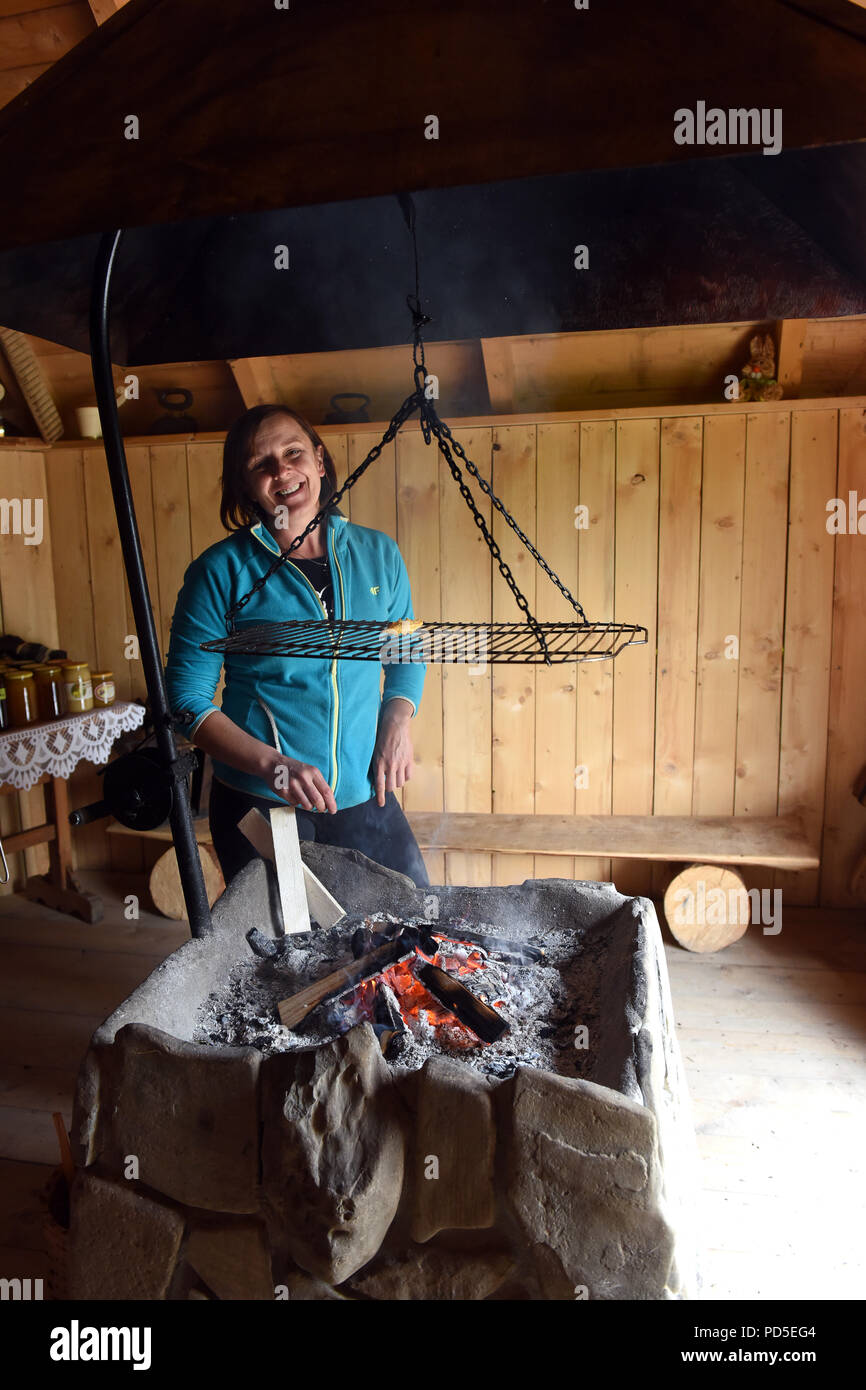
(333, 553)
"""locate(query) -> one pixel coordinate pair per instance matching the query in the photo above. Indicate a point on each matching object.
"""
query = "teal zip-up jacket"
(326, 712)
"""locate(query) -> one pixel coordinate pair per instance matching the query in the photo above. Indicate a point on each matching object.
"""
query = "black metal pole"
(194, 892)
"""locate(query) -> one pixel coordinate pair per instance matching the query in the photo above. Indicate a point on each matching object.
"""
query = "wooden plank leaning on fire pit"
(290, 870)
(323, 907)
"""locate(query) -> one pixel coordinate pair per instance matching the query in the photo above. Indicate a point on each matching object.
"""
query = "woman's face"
(285, 470)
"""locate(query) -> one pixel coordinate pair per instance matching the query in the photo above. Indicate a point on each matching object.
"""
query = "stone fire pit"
(327, 1172)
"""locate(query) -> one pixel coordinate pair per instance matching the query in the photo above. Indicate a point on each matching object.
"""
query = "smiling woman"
(313, 732)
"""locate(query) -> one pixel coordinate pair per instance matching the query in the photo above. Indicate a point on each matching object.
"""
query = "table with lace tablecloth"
(49, 752)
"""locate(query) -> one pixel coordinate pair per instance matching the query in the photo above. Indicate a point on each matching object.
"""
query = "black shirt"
(318, 571)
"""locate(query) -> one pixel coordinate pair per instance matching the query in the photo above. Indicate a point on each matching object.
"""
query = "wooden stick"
(293, 1010)
(323, 906)
(858, 878)
(290, 870)
(257, 830)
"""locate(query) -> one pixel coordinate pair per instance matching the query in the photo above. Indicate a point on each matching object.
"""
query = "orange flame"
(416, 1002)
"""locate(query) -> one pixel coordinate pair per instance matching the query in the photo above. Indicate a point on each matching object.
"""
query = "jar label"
(78, 692)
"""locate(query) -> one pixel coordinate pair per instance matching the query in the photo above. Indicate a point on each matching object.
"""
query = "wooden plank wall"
(708, 528)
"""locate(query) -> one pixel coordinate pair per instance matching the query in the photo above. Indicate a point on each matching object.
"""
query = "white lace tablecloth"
(57, 746)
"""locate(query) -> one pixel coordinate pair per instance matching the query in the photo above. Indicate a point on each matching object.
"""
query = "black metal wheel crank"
(138, 791)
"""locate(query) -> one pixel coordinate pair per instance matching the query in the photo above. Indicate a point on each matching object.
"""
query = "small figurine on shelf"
(758, 382)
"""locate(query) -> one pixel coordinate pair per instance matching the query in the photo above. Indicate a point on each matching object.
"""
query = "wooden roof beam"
(105, 9)
(791, 338)
(499, 371)
(254, 378)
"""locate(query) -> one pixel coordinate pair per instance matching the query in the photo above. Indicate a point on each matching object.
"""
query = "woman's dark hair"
(237, 509)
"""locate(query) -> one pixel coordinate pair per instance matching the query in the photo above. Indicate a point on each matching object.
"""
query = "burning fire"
(418, 1008)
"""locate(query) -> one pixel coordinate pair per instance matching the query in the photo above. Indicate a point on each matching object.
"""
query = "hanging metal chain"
(419, 318)
(430, 425)
(442, 432)
(504, 570)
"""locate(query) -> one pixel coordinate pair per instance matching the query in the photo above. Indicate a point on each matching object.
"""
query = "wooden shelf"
(163, 832)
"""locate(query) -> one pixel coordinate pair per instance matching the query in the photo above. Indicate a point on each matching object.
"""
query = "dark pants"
(380, 832)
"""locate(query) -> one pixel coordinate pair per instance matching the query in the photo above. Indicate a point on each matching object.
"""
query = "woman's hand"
(301, 784)
(393, 755)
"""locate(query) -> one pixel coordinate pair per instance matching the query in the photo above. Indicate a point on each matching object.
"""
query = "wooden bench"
(778, 842)
(709, 845)
(706, 904)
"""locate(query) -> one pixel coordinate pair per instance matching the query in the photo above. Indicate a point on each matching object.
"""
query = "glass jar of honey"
(103, 689)
(21, 699)
(50, 692)
(78, 686)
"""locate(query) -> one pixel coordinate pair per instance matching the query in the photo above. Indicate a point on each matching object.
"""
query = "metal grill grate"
(475, 644)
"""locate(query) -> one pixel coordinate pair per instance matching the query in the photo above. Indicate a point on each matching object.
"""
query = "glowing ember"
(418, 1009)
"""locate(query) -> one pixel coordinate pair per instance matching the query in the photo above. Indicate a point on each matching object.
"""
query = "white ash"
(537, 999)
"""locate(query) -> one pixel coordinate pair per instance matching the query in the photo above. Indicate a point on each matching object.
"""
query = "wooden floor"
(773, 1035)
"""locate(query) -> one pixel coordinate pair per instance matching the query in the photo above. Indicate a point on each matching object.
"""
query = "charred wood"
(293, 1010)
(262, 946)
(485, 1022)
(515, 952)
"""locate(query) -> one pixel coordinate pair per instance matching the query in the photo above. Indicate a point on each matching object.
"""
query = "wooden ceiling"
(35, 33)
(507, 81)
